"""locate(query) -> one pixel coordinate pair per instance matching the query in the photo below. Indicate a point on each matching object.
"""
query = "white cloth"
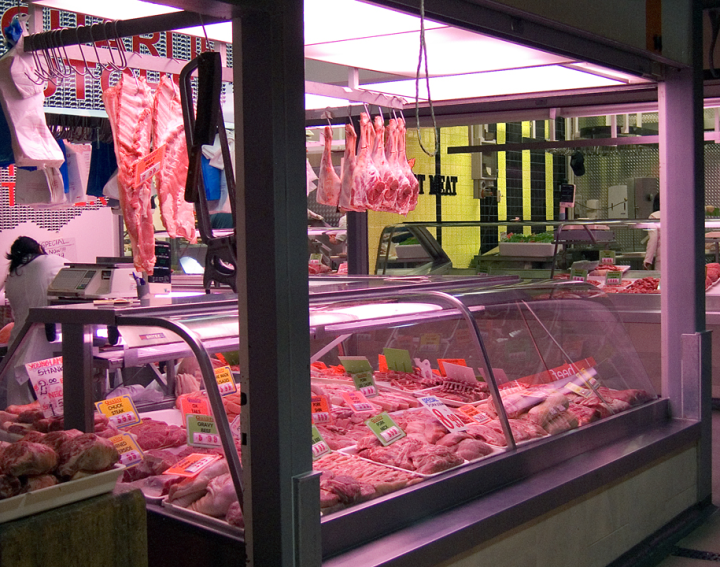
(652, 251)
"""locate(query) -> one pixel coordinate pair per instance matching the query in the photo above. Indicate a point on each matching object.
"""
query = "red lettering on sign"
(148, 42)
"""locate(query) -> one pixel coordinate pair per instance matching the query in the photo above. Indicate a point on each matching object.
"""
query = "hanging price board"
(120, 411)
(443, 361)
(385, 429)
(430, 342)
(225, 382)
(607, 256)
(319, 445)
(613, 278)
(202, 431)
(321, 409)
(130, 452)
(148, 166)
(578, 275)
(192, 465)
(448, 418)
(398, 359)
(357, 401)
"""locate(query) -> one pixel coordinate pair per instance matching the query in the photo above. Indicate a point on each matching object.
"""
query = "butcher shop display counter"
(424, 397)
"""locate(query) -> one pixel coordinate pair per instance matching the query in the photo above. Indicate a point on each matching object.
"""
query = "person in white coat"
(30, 273)
(652, 251)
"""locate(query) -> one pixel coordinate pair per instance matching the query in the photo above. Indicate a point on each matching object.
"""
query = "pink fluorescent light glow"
(496, 83)
(451, 51)
(125, 10)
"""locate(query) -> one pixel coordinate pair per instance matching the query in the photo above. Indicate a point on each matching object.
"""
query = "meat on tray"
(219, 496)
(25, 458)
(407, 381)
(643, 285)
(155, 462)
(460, 391)
(382, 479)
(153, 434)
(410, 454)
(86, 453)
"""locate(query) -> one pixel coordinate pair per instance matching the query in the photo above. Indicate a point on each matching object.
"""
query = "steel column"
(681, 203)
(273, 298)
(77, 377)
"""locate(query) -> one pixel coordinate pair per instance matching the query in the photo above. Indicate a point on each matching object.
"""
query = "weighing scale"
(94, 281)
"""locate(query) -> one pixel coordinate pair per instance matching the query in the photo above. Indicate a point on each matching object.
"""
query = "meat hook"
(111, 64)
(99, 64)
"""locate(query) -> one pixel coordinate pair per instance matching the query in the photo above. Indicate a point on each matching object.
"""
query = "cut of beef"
(25, 458)
(86, 453)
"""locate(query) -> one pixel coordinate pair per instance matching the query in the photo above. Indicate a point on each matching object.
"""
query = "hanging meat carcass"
(129, 108)
(398, 201)
(367, 186)
(406, 169)
(329, 184)
(386, 174)
(348, 170)
(169, 131)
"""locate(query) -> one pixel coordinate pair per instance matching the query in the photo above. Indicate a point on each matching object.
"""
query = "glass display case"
(421, 394)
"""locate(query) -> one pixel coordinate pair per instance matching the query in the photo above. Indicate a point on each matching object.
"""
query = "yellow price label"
(120, 411)
(130, 452)
(225, 382)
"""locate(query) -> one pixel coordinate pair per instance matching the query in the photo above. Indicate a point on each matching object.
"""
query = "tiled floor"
(702, 547)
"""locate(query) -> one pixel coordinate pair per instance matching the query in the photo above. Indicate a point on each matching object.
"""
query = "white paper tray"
(202, 519)
(58, 495)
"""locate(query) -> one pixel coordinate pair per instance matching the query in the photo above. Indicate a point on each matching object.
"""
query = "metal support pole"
(273, 308)
(357, 239)
(682, 193)
(77, 377)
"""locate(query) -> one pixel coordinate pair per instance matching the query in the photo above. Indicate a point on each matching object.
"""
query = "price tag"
(235, 428)
(385, 429)
(586, 377)
(613, 278)
(449, 419)
(578, 275)
(319, 445)
(130, 452)
(460, 373)
(148, 166)
(225, 382)
(474, 413)
(361, 371)
(46, 377)
(202, 431)
(607, 256)
(398, 359)
(578, 390)
(194, 405)
(321, 410)
(315, 257)
(120, 411)
(192, 465)
(365, 384)
(430, 342)
(357, 401)
(443, 361)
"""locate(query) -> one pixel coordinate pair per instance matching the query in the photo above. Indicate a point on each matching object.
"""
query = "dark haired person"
(30, 273)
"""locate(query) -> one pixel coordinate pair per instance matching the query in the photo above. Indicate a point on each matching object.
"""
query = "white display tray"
(527, 249)
(602, 273)
(59, 495)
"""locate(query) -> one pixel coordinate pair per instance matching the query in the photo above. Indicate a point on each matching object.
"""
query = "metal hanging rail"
(117, 29)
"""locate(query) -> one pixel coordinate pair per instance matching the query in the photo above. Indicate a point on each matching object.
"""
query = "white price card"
(448, 418)
(319, 445)
(46, 377)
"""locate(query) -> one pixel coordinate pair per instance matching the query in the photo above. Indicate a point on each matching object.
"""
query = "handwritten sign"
(46, 377)
(321, 409)
(225, 382)
(319, 445)
(359, 368)
(607, 256)
(357, 402)
(613, 277)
